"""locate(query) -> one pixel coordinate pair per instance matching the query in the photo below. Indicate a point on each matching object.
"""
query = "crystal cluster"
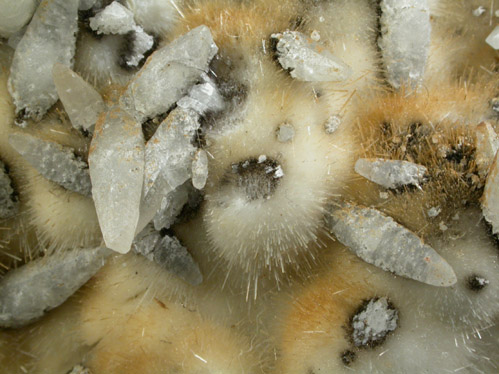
(390, 173)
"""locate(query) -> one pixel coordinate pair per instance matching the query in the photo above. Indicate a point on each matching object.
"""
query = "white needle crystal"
(490, 199)
(390, 173)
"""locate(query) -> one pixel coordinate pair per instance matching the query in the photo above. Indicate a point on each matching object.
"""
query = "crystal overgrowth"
(116, 161)
(56, 163)
(405, 41)
(28, 292)
(9, 204)
(49, 38)
(113, 19)
(390, 173)
(168, 74)
(306, 60)
(379, 240)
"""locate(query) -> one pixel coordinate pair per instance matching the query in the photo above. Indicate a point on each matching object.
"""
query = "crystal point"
(390, 173)
(200, 169)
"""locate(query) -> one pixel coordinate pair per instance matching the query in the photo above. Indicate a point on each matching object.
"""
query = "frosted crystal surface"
(199, 169)
(55, 162)
(374, 322)
(81, 101)
(405, 41)
(26, 293)
(8, 203)
(493, 38)
(379, 240)
(285, 133)
(332, 124)
(203, 98)
(390, 173)
(171, 206)
(116, 163)
(49, 38)
(490, 199)
(307, 60)
(168, 74)
(142, 42)
(113, 19)
(14, 15)
(487, 144)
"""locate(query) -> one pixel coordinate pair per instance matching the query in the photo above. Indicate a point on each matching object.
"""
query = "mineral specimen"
(203, 98)
(55, 162)
(487, 144)
(14, 15)
(8, 200)
(332, 124)
(390, 173)
(379, 240)
(285, 133)
(113, 19)
(199, 169)
(28, 292)
(493, 38)
(171, 206)
(490, 198)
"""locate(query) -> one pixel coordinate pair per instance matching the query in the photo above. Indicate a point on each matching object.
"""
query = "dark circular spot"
(347, 357)
(476, 283)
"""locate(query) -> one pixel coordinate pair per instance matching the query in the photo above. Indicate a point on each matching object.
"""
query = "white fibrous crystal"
(372, 324)
(55, 162)
(113, 19)
(168, 74)
(332, 124)
(14, 14)
(116, 163)
(379, 240)
(171, 206)
(82, 102)
(433, 212)
(203, 98)
(285, 133)
(307, 60)
(405, 41)
(199, 169)
(141, 43)
(493, 38)
(490, 198)
(9, 204)
(78, 369)
(26, 293)
(49, 38)
(390, 173)
(487, 144)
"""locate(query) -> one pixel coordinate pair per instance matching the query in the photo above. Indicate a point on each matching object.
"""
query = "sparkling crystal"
(113, 19)
(9, 204)
(171, 206)
(490, 199)
(54, 161)
(307, 60)
(168, 74)
(26, 293)
(405, 41)
(199, 169)
(81, 101)
(493, 38)
(390, 173)
(14, 15)
(379, 240)
(203, 98)
(285, 133)
(116, 163)
(49, 38)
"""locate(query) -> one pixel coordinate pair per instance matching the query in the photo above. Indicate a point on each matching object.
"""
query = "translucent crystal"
(116, 163)
(285, 133)
(141, 44)
(405, 41)
(49, 38)
(56, 163)
(487, 144)
(490, 199)
(14, 15)
(28, 292)
(145, 242)
(199, 169)
(493, 38)
(113, 19)
(81, 101)
(390, 173)
(168, 74)
(203, 98)
(379, 240)
(8, 202)
(307, 60)
(171, 206)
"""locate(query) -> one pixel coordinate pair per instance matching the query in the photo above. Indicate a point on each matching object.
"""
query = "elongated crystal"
(487, 144)
(199, 169)
(490, 199)
(390, 173)
(171, 206)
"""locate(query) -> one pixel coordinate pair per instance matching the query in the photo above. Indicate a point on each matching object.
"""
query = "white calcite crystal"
(493, 38)
(379, 240)
(155, 16)
(199, 169)
(14, 14)
(141, 43)
(203, 98)
(145, 242)
(307, 60)
(49, 38)
(168, 74)
(82, 102)
(487, 144)
(285, 133)
(171, 206)
(28, 292)
(490, 198)
(372, 324)
(390, 173)
(116, 163)
(405, 41)
(113, 19)
(9, 204)
(55, 162)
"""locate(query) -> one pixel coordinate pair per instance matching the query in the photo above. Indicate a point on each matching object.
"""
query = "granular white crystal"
(9, 204)
(168, 74)
(278, 172)
(433, 212)
(379, 240)
(171, 206)
(493, 38)
(390, 173)
(49, 38)
(26, 293)
(203, 98)
(55, 162)
(285, 133)
(405, 41)
(116, 161)
(490, 198)
(261, 158)
(113, 19)
(479, 11)
(199, 169)
(14, 15)
(332, 124)
(82, 102)
(308, 61)
(372, 324)
(141, 43)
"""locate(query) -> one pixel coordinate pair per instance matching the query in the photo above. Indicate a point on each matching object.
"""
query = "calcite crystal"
(203, 98)
(379, 240)
(116, 163)
(113, 19)
(405, 41)
(14, 15)
(56, 163)
(306, 60)
(487, 144)
(9, 204)
(82, 102)
(49, 38)
(168, 74)
(171, 206)
(199, 169)
(28, 292)
(285, 133)
(493, 38)
(490, 199)
(390, 173)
